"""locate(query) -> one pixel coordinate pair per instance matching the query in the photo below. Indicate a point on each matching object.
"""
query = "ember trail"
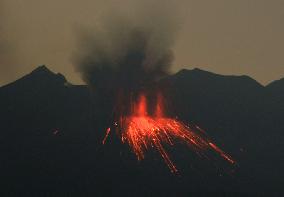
(142, 131)
(120, 60)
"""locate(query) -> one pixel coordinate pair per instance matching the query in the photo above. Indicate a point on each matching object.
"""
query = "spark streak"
(143, 131)
(107, 133)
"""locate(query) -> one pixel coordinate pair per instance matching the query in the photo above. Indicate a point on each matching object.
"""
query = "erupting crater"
(142, 131)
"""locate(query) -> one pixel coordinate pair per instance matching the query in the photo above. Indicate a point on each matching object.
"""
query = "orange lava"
(143, 131)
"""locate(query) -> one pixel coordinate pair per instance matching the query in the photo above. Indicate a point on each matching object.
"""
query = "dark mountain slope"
(227, 102)
(42, 121)
(42, 97)
(274, 94)
(238, 113)
(276, 86)
(51, 139)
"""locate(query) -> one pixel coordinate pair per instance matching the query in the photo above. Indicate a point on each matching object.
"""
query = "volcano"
(241, 116)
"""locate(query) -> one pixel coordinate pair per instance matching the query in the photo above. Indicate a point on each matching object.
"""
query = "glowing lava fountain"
(143, 131)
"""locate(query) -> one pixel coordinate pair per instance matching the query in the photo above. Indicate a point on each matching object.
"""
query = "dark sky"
(238, 37)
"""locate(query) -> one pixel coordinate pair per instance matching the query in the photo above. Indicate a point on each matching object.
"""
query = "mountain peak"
(44, 75)
(42, 69)
(40, 77)
(197, 75)
(194, 71)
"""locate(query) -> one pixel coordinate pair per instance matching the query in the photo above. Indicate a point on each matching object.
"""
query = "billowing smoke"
(127, 51)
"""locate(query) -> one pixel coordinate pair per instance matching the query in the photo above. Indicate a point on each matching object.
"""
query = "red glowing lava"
(143, 131)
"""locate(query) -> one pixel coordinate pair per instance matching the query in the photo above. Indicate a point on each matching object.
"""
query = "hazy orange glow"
(143, 131)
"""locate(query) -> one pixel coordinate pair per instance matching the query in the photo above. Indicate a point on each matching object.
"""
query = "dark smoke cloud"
(126, 53)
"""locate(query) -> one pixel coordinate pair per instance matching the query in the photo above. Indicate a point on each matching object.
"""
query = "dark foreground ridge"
(51, 139)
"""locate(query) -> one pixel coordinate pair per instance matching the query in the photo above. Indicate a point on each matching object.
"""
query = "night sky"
(243, 37)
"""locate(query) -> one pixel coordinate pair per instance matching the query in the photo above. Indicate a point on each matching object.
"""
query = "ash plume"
(125, 51)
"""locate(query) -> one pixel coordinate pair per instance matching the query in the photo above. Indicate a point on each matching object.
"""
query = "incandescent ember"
(142, 131)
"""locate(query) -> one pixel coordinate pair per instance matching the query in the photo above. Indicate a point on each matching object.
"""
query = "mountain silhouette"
(277, 86)
(51, 139)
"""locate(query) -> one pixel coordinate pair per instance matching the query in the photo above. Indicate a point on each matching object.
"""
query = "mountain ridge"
(40, 75)
(208, 74)
(44, 70)
(277, 85)
(51, 135)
